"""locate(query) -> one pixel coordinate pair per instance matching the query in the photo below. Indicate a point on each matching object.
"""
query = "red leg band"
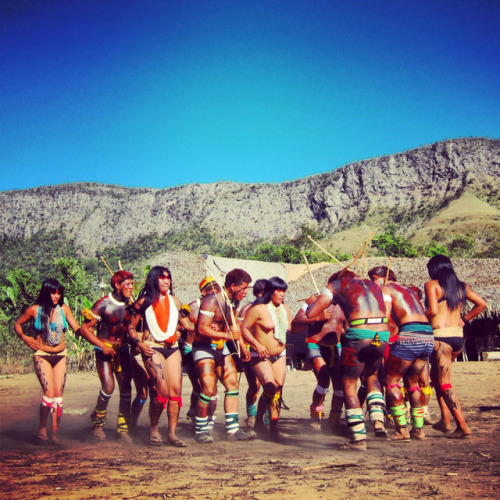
(163, 401)
(415, 389)
(178, 399)
(445, 387)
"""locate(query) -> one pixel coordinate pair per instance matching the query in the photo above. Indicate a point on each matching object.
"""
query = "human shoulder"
(100, 303)
(66, 309)
(176, 300)
(211, 302)
(32, 311)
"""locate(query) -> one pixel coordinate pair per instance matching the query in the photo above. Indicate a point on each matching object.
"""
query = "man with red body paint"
(409, 353)
(362, 348)
(111, 316)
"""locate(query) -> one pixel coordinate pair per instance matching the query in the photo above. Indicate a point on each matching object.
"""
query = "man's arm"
(87, 332)
(208, 309)
(321, 303)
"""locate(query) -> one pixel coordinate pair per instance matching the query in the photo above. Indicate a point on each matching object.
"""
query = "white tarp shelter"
(255, 268)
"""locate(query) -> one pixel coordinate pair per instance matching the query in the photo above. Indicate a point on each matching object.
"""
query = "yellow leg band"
(426, 391)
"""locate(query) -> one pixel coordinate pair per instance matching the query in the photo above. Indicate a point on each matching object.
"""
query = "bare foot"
(428, 419)
(154, 437)
(175, 441)
(400, 437)
(315, 424)
(354, 445)
(55, 440)
(379, 429)
(41, 440)
(418, 434)
(98, 434)
(441, 426)
(459, 434)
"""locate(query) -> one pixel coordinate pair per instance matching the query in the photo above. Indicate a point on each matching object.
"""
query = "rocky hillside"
(415, 184)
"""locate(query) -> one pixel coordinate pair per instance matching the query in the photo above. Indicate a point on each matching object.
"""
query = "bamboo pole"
(365, 263)
(360, 251)
(387, 273)
(229, 303)
(359, 269)
(324, 250)
(106, 264)
(310, 273)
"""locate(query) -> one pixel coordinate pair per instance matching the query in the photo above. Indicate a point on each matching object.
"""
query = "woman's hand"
(146, 349)
(32, 343)
(262, 351)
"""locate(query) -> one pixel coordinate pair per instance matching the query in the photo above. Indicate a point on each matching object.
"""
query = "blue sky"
(159, 93)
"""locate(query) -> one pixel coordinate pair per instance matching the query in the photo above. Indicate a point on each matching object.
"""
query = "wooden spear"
(387, 273)
(324, 250)
(228, 302)
(360, 251)
(359, 269)
(310, 273)
(106, 264)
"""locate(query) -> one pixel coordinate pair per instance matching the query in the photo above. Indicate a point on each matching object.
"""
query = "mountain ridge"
(413, 184)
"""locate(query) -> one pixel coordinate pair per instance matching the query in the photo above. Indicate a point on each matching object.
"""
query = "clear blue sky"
(159, 93)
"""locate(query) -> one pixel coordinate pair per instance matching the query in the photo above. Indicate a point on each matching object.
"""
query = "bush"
(391, 244)
(462, 246)
(435, 249)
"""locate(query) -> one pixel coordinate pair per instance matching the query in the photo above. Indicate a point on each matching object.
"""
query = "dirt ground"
(308, 465)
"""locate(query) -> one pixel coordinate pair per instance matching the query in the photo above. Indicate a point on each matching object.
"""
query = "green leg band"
(417, 417)
(399, 415)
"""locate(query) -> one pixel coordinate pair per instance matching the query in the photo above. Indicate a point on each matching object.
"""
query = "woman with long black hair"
(51, 317)
(446, 298)
(160, 350)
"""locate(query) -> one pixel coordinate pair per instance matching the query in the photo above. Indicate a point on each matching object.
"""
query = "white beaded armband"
(327, 293)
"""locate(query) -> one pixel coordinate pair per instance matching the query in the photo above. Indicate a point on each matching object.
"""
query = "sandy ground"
(309, 465)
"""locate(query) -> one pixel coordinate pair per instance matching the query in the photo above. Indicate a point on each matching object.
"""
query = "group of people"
(366, 336)
(387, 337)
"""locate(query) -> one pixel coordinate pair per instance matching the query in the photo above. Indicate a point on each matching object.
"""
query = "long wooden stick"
(310, 273)
(360, 251)
(387, 273)
(229, 304)
(365, 263)
(106, 264)
(325, 250)
(359, 268)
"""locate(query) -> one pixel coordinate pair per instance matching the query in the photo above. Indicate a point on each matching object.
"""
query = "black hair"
(259, 287)
(441, 269)
(237, 277)
(151, 290)
(49, 286)
(381, 272)
(272, 284)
